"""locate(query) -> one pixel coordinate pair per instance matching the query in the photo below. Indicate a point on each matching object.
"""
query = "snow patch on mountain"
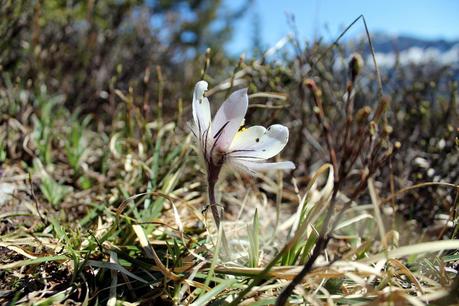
(417, 55)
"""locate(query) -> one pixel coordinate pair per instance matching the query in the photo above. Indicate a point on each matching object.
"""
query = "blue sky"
(430, 19)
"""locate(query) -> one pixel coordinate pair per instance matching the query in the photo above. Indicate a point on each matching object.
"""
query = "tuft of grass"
(253, 232)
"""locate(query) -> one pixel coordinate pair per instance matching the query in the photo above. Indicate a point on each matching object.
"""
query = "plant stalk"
(213, 171)
(212, 202)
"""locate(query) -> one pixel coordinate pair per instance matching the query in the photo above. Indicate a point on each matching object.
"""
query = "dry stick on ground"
(324, 236)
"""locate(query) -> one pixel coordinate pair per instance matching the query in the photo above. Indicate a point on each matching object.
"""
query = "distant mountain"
(411, 50)
(386, 43)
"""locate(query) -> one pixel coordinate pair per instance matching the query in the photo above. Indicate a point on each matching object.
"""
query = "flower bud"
(355, 65)
(363, 113)
(311, 84)
(381, 108)
(388, 129)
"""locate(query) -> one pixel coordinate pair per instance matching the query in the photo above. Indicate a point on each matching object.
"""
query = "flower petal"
(229, 118)
(201, 109)
(253, 167)
(268, 145)
(247, 138)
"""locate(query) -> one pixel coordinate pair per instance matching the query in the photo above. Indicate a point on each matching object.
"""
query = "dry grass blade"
(151, 253)
(114, 275)
(27, 262)
(115, 266)
(420, 248)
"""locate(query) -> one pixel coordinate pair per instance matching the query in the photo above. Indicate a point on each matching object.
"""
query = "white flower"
(223, 141)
